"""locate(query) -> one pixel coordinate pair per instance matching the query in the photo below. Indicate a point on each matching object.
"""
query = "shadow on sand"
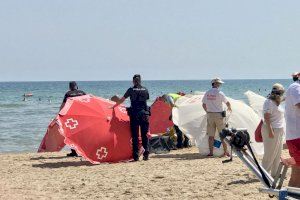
(185, 156)
(50, 158)
(243, 182)
(63, 164)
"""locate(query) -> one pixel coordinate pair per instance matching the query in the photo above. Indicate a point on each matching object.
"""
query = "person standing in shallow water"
(139, 113)
(73, 92)
(213, 105)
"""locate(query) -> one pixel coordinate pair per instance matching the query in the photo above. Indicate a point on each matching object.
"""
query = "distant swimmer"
(25, 95)
(295, 76)
(73, 92)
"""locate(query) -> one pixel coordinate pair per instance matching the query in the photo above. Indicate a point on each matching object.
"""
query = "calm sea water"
(23, 123)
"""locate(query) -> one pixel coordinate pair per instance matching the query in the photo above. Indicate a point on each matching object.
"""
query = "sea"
(23, 122)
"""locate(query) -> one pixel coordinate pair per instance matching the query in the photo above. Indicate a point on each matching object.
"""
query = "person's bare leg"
(295, 177)
(211, 145)
(225, 148)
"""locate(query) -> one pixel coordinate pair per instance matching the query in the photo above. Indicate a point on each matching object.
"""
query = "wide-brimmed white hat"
(217, 80)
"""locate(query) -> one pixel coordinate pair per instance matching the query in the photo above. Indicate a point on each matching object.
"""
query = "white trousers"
(272, 148)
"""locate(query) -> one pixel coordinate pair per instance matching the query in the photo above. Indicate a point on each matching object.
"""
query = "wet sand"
(181, 174)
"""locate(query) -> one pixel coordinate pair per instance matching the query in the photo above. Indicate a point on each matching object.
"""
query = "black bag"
(223, 113)
(161, 144)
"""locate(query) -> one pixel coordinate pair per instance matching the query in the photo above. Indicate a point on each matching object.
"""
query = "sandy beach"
(181, 174)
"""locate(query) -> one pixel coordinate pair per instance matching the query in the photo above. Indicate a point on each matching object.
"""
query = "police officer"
(139, 114)
(73, 92)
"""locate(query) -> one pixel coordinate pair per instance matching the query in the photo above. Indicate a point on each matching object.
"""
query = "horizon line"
(26, 81)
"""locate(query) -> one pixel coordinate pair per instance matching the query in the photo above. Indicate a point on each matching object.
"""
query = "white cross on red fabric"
(101, 153)
(71, 123)
(122, 109)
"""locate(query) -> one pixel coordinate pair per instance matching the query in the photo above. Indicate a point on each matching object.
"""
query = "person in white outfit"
(213, 101)
(292, 117)
(273, 129)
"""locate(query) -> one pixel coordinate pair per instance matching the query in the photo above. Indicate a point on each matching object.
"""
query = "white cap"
(277, 87)
(295, 74)
(217, 80)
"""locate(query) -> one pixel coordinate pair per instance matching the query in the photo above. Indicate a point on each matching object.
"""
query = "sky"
(62, 40)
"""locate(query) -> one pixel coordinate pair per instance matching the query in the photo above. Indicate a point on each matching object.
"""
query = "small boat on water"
(27, 95)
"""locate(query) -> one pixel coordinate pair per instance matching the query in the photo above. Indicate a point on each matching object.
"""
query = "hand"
(271, 134)
(111, 107)
(229, 110)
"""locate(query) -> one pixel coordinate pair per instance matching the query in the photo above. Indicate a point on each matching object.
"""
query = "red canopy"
(53, 140)
(95, 130)
(159, 119)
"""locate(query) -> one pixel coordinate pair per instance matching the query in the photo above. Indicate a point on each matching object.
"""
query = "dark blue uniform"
(139, 114)
(73, 93)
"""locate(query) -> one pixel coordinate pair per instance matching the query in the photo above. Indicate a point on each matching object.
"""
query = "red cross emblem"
(101, 153)
(71, 123)
(123, 109)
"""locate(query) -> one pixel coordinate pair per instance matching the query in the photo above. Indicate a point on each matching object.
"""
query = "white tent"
(256, 102)
(190, 117)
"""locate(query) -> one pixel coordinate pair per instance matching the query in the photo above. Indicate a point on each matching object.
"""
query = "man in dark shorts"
(139, 114)
(73, 92)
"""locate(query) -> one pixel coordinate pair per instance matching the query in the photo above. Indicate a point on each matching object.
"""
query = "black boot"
(72, 154)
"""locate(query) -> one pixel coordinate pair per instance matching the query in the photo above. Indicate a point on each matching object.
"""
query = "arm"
(267, 117)
(120, 101)
(229, 106)
(64, 102)
(204, 107)
(62, 105)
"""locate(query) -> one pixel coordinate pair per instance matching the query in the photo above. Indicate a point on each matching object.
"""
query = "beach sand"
(181, 174)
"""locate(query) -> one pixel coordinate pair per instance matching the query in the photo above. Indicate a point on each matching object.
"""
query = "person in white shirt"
(213, 105)
(273, 129)
(292, 116)
(295, 76)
